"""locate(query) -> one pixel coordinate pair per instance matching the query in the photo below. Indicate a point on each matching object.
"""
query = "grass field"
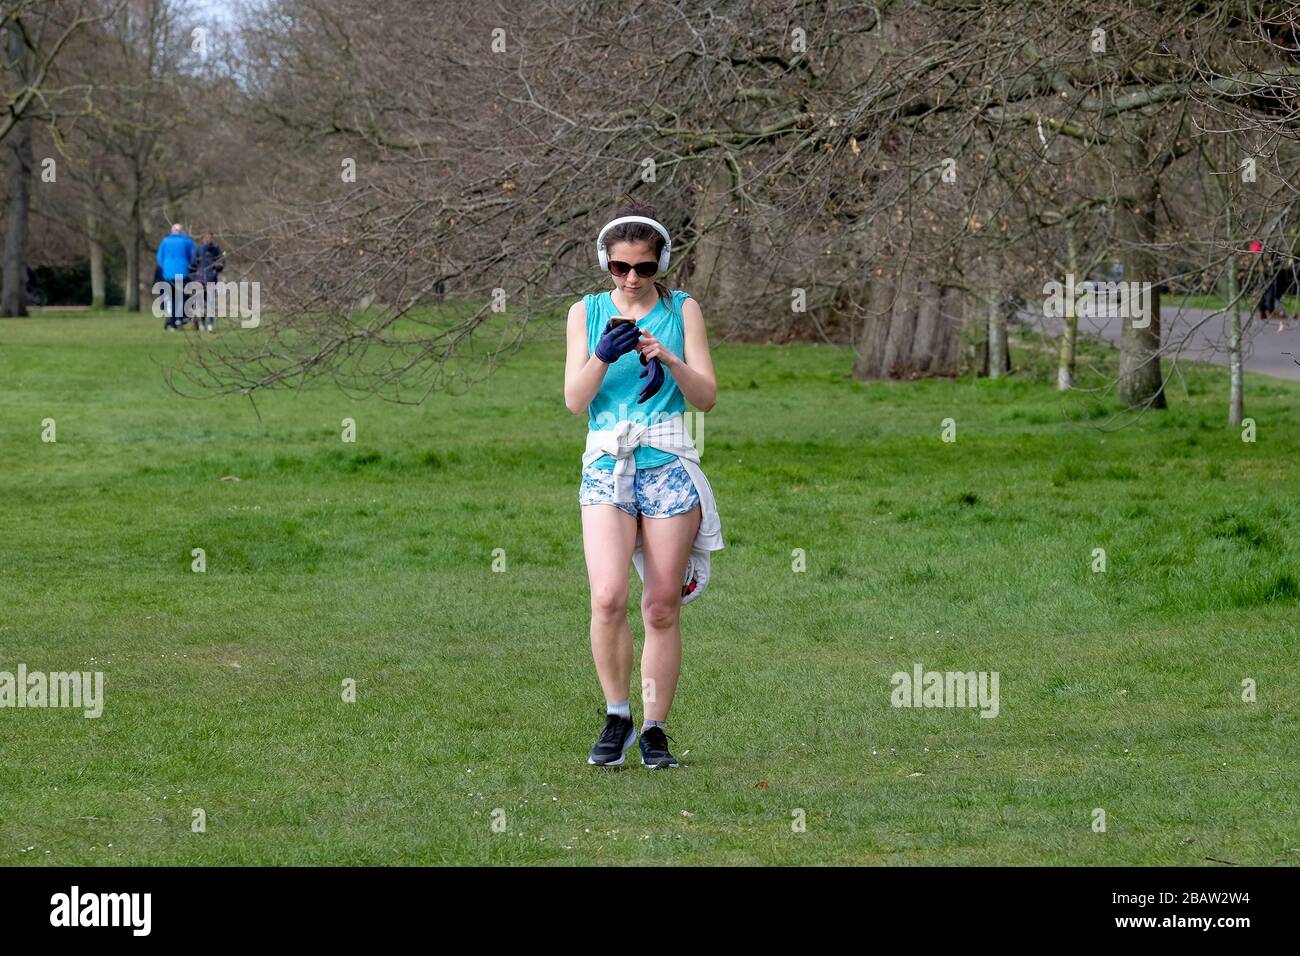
(372, 561)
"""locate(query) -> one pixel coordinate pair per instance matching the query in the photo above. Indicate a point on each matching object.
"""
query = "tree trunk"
(1065, 364)
(96, 249)
(1236, 388)
(1236, 399)
(134, 242)
(131, 281)
(996, 353)
(911, 329)
(18, 177)
(1140, 380)
(997, 335)
(720, 266)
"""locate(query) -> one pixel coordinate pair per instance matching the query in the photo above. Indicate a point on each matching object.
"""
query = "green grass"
(476, 691)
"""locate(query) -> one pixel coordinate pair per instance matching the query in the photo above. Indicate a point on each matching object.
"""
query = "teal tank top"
(616, 399)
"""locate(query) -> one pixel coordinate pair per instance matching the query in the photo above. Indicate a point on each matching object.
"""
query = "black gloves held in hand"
(617, 340)
(655, 370)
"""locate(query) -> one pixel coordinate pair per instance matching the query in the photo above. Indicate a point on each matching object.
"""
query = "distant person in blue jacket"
(175, 253)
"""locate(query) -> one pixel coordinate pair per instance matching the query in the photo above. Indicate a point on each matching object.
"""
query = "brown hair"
(639, 232)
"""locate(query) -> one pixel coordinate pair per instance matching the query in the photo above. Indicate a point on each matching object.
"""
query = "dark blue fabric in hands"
(618, 339)
(656, 373)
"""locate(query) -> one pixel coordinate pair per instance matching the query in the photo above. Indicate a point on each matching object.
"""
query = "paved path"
(1207, 338)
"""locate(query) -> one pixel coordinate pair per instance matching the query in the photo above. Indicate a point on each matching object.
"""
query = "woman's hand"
(651, 348)
(617, 340)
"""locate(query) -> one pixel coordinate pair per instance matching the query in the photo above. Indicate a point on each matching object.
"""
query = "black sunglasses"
(644, 269)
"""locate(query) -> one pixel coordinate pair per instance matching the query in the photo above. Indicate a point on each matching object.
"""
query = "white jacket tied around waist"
(669, 436)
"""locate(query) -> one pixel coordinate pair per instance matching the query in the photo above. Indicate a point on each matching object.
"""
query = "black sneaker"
(654, 749)
(619, 734)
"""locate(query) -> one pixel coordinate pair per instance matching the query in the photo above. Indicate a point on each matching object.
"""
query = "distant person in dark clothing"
(157, 280)
(33, 293)
(175, 253)
(1267, 307)
(206, 268)
(1284, 284)
(1279, 280)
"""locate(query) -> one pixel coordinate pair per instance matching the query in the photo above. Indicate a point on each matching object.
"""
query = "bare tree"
(35, 35)
(141, 146)
(853, 160)
(43, 28)
(18, 181)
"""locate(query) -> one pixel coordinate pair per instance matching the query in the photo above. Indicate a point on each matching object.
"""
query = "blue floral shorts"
(660, 492)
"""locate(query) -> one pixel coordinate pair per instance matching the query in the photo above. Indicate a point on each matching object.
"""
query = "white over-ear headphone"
(603, 254)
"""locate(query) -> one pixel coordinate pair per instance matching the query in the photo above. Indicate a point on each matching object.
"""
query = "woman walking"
(636, 354)
(207, 266)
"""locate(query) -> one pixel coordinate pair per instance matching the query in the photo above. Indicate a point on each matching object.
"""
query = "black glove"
(617, 340)
(656, 380)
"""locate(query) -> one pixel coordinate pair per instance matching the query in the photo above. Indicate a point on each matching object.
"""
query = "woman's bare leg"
(608, 537)
(666, 544)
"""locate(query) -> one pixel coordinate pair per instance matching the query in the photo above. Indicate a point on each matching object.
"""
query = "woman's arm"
(583, 374)
(694, 373)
